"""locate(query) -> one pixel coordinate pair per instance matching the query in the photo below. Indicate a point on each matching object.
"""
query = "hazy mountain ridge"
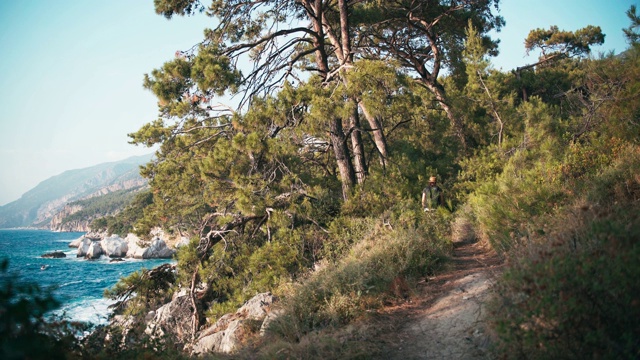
(38, 206)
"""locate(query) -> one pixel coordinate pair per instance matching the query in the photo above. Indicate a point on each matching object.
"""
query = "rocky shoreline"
(95, 245)
(173, 319)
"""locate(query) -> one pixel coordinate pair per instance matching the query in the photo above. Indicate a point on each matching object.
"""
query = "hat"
(432, 179)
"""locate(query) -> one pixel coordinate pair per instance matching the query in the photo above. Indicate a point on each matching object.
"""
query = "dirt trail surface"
(446, 318)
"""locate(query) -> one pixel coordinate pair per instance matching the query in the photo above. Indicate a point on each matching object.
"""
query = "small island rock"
(54, 255)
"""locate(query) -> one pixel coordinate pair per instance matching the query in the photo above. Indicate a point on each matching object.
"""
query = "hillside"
(38, 206)
(78, 215)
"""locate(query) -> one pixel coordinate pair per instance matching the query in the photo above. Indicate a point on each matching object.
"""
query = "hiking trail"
(445, 319)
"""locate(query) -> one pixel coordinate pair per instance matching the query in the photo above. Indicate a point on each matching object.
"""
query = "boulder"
(224, 341)
(271, 317)
(173, 318)
(133, 244)
(94, 236)
(257, 307)
(158, 250)
(230, 331)
(76, 243)
(123, 326)
(55, 254)
(184, 241)
(114, 246)
(94, 251)
(83, 247)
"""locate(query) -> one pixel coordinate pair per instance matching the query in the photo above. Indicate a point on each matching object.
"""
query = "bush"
(26, 329)
(571, 290)
(363, 279)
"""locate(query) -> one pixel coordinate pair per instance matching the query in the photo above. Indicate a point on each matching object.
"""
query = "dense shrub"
(28, 330)
(394, 249)
(571, 290)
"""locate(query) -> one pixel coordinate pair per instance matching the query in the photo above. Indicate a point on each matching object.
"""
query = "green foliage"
(363, 278)
(106, 344)
(169, 8)
(571, 291)
(125, 221)
(102, 205)
(558, 198)
(27, 328)
(143, 290)
(554, 41)
(631, 33)
(263, 193)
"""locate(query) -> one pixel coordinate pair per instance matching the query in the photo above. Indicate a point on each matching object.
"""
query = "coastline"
(77, 283)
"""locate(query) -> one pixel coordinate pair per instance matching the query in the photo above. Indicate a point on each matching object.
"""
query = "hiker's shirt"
(433, 196)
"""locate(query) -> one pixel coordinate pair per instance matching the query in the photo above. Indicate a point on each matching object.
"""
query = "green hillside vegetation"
(126, 209)
(313, 190)
(100, 206)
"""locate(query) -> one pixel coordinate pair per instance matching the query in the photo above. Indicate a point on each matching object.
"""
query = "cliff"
(57, 222)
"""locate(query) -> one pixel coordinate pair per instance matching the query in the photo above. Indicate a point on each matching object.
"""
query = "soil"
(445, 318)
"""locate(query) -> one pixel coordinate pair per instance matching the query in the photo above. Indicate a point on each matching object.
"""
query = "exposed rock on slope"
(173, 318)
(230, 330)
(57, 224)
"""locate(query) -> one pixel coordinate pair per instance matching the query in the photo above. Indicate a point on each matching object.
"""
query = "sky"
(71, 73)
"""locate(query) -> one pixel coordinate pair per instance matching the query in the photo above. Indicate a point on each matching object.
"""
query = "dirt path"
(446, 319)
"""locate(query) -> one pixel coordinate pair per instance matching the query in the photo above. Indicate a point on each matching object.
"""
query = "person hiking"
(432, 196)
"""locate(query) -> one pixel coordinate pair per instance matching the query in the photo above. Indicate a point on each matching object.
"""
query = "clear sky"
(71, 73)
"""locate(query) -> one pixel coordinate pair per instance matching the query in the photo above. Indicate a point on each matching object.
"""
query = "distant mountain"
(38, 206)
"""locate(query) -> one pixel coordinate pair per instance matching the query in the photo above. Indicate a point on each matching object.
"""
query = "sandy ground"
(445, 319)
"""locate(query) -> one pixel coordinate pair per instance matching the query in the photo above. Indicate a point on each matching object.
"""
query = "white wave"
(95, 311)
(70, 283)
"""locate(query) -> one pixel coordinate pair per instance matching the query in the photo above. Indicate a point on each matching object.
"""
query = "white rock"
(83, 247)
(225, 341)
(114, 246)
(134, 250)
(184, 241)
(227, 333)
(257, 307)
(94, 251)
(171, 318)
(124, 324)
(76, 243)
(157, 232)
(271, 316)
(158, 250)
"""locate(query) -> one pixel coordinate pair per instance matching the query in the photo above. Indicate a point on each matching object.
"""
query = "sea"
(77, 283)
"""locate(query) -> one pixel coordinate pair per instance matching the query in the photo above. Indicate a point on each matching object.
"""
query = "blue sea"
(79, 283)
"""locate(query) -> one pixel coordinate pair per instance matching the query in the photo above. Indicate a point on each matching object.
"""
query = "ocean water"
(79, 283)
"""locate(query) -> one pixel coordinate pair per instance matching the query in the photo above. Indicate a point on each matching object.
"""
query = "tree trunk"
(378, 135)
(341, 152)
(359, 163)
(336, 133)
